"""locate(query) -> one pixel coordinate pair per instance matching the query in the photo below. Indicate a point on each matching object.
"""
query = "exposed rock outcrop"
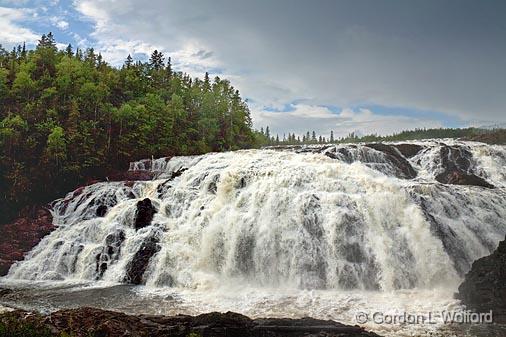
(144, 214)
(395, 157)
(484, 287)
(456, 163)
(110, 252)
(20, 236)
(138, 265)
(409, 150)
(85, 322)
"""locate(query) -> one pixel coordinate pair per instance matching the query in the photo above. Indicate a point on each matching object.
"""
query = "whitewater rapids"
(323, 219)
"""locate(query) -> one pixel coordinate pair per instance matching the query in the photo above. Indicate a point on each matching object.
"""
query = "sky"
(363, 66)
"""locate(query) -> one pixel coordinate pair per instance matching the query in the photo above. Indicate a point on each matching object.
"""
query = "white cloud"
(321, 119)
(11, 31)
(59, 22)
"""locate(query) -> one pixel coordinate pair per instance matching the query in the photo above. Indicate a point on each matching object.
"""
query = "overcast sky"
(375, 66)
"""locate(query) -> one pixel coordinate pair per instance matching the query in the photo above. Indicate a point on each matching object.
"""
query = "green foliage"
(67, 117)
(491, 136)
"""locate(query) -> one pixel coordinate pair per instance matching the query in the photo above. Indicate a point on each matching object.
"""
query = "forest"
(491, 136)
(67, 116)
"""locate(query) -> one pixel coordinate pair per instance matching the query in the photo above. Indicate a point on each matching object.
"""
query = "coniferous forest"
(67, 116)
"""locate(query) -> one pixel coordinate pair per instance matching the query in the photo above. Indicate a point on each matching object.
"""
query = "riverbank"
(85, 322)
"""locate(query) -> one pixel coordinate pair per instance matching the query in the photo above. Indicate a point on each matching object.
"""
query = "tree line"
(67, 116)
(310, 137)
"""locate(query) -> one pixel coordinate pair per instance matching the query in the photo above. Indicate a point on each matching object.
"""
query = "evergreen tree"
(68, 50)
(156, 61)
(128, 61)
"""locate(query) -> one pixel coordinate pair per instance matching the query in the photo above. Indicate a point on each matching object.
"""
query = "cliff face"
(21, 235)
(484, 287)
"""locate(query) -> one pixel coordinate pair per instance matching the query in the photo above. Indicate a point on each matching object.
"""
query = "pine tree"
(331, 136)
(128, 62)
(168, 69)
(68, 50)
(156, 61)
(23, 51)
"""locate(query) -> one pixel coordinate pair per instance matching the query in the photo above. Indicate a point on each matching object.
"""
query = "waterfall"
(357, 216)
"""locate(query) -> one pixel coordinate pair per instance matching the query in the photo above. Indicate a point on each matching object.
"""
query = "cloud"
(11, 30)
(59, 22)
(427, 55)
(302, 118)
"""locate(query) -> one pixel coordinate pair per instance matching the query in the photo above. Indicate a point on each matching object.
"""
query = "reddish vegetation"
(20, 236)
(85, 322)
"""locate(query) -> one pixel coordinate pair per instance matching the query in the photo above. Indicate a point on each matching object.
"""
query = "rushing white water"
(335, 218)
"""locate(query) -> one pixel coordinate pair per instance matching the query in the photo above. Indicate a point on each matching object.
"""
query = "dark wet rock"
(484, 286)
(461, 178)
(20, 236)
(110, 252)
(101, 210)
(178, 173)
(144, 213)
(408, 150)
(85, 322)
(163, 187)
(395, 157)
(5, 292)
(139, 263)
(457, 168)
(241, 183)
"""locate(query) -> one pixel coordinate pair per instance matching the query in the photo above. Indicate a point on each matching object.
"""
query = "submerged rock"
(484, 287)
(101, 210)
(144, 214)
(85, 322)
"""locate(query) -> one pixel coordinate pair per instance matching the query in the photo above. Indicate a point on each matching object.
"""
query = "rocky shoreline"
(86, 322)
(484, 287)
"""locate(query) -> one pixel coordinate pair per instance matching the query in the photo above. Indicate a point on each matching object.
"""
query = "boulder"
(457, 168)
(484, 286)
(144, 214)
(462, 178)
(139, 263)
